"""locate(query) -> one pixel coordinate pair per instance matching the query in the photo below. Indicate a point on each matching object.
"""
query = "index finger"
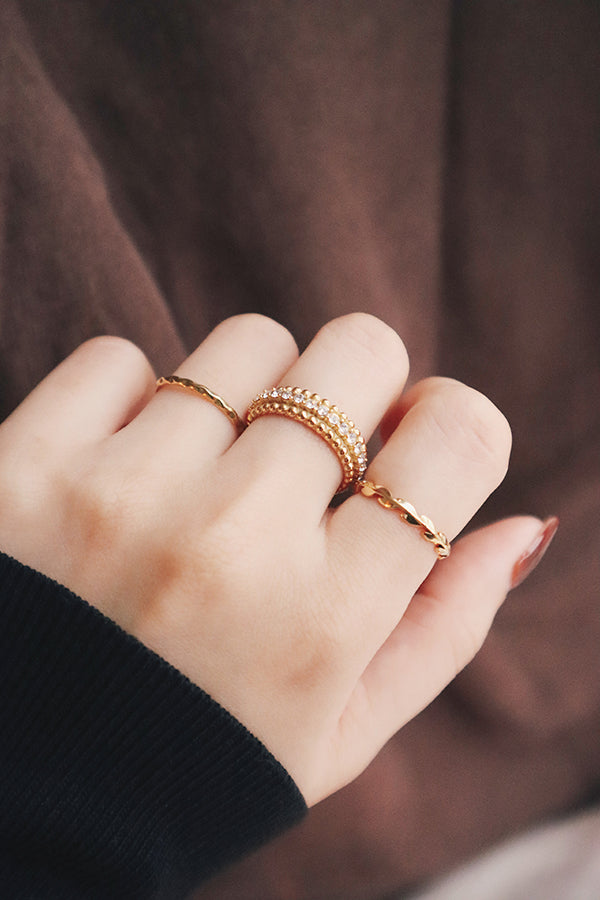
(447, 455)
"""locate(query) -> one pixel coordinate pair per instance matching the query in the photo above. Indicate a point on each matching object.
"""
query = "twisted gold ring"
(322, 417)
(409, 514)
(201, 390)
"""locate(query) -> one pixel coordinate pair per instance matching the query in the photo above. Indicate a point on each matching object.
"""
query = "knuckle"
(464, 631)
(369, 341)
(114, 351)
(23, 492)
(466, 639)
(27, 471)
(100, 511)
(260, 329)
(228, 571)
(472, 425)
(315, 644)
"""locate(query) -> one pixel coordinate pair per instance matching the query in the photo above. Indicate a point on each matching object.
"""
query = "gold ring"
(409, 514)
(201, 390)
(322, 417)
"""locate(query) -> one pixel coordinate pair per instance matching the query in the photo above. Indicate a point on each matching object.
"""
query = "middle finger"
(357, 363)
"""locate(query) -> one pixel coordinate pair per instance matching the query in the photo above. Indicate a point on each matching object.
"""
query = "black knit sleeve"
(118, 777)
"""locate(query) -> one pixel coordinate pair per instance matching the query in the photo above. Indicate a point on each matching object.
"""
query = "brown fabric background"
(165, 164)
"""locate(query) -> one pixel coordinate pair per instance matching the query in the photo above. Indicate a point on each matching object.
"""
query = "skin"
(324, 631)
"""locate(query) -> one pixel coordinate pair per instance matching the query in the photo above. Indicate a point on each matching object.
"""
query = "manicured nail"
(527, 562)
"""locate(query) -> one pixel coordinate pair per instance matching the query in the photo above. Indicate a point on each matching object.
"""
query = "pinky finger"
(441, 631)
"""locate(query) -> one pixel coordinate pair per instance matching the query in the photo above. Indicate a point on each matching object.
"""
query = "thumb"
(443, 627)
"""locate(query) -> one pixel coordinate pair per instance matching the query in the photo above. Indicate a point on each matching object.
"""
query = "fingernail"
(527, 562)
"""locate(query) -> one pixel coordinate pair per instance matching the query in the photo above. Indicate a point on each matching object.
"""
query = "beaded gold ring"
(323, 418)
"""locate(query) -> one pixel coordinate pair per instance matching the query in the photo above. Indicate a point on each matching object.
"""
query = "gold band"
(409, 514)
(322, 417)
(202, 391)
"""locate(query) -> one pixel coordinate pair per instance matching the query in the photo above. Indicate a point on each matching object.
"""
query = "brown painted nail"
(527, 562)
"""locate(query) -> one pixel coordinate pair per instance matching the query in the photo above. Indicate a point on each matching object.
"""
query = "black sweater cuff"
(118, 776)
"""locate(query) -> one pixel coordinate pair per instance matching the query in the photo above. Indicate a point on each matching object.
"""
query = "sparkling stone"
(310, 404)
(298, 398)
(274, 393)
(334, 418)
(322, 410)
(286, 395)
(343, 428)
(352, 437)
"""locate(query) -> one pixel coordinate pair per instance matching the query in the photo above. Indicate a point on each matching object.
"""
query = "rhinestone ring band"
(322, 417)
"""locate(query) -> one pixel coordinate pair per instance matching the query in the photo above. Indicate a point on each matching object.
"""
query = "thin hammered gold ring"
(409, 514)
(201, 390)
(322, 417)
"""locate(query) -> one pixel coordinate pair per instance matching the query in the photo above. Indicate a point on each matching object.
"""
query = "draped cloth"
(166, 164)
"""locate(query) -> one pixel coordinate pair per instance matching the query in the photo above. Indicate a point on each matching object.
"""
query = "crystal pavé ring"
(322, 417)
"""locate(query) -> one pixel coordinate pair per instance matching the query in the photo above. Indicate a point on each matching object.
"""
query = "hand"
(323, 631)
